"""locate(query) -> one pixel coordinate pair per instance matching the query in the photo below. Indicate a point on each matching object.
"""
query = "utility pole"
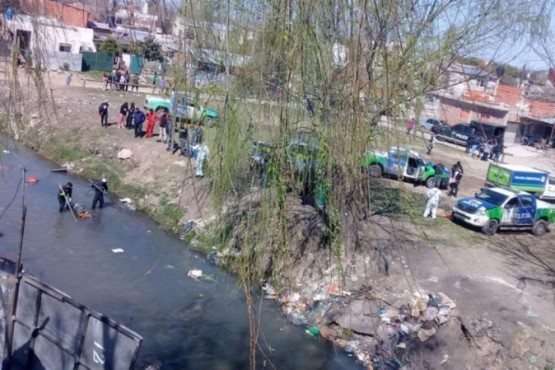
(172, 122)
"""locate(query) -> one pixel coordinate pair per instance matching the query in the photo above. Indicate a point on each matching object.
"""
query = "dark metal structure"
(49, 330)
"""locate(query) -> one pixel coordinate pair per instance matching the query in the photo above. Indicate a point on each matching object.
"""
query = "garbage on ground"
(313, 331)
(117, 250)
(128, 202)
(195, 274)
(187, 228)
(6, 151)
(270, 291)
(213, 257)
(532, 314)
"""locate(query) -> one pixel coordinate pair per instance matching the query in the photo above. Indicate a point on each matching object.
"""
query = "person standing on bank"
(99, 189)
(103, 113)
(139, 119)
(434, 197)
(130, 117)
(64, 196)
(410, 125)
(151, 118)
(123, 111)
(456, 177)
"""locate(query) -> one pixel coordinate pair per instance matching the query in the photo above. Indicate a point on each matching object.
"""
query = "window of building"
(485, 117)
(465, 113)
(65, 48)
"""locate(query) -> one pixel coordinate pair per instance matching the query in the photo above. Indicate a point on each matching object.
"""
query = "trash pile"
(380, 329)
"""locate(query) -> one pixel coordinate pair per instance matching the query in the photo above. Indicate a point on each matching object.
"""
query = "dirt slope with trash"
(418, 294)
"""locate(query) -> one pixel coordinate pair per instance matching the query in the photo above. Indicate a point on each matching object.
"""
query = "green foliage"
(152, 50)
(109, 45)
(169, 214)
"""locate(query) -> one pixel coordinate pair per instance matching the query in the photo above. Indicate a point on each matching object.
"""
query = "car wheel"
(540, 227)
(430, 182)
(490, 228)
(375, 170)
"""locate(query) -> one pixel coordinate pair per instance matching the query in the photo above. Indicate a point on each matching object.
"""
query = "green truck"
(404, 164)
(495, 208)
(523, 178)
(186, 107)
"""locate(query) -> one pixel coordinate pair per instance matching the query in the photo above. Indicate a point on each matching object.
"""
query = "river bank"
(356, 304)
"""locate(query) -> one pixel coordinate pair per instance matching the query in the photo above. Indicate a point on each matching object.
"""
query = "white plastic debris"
(195, 274)
(6, 151)
(117, 250)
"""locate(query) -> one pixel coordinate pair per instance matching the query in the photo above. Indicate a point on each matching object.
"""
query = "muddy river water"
(185, 324)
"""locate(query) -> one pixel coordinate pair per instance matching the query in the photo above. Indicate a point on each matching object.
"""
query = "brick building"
(67, 14)
(470, 95)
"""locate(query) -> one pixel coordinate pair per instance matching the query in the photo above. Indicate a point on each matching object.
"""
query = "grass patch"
(169, 215)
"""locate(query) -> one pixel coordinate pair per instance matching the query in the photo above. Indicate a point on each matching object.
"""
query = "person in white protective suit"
(434, 197)
(202, 153)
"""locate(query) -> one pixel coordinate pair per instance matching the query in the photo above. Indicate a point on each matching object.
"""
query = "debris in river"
(195, 274)
(32, 180)
(128, 202)
(117, 250)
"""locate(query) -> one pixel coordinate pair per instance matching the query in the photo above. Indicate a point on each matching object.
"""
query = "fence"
(51, 331)
(98, 61)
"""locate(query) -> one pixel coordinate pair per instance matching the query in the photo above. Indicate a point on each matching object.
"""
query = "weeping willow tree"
(321, 75)
(313, 78)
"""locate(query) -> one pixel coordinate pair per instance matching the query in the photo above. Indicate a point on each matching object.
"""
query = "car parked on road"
(503, 208)
(429, 123)
(460, 133)
(186, 107)
(403, 163)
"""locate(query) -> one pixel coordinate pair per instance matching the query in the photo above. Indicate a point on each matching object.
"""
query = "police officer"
(64, 196)
(99, 189)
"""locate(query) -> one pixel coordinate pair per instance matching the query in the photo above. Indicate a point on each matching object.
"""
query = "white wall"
(48, 33)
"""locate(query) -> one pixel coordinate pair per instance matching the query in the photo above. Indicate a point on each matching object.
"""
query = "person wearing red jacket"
(150, 123)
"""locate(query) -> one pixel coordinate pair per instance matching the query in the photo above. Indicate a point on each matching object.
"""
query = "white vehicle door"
(509, 212)
(412, 169)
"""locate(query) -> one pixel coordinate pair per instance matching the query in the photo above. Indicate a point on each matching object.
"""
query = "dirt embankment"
(495, 309)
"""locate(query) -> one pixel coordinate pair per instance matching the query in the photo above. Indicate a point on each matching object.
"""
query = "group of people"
(189, 144)
(483, 149)
(120, 79)
(65, 194)
(433, 196)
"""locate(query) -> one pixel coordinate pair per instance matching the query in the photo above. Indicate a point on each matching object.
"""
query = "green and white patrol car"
(497, 208)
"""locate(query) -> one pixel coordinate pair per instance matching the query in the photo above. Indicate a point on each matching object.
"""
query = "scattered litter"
(320, 297)
(402, 345)
(531, 314)
(297, 319)
(532, 359)
(117, 250)
(195, 274)
(187, 228)
(445, 358)
(6, 151)
(128, 202)
(425, 334)
(270, 291)
(213, 257)
(313, 331)
(433, 279)
(31, 180)
(68, 166)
